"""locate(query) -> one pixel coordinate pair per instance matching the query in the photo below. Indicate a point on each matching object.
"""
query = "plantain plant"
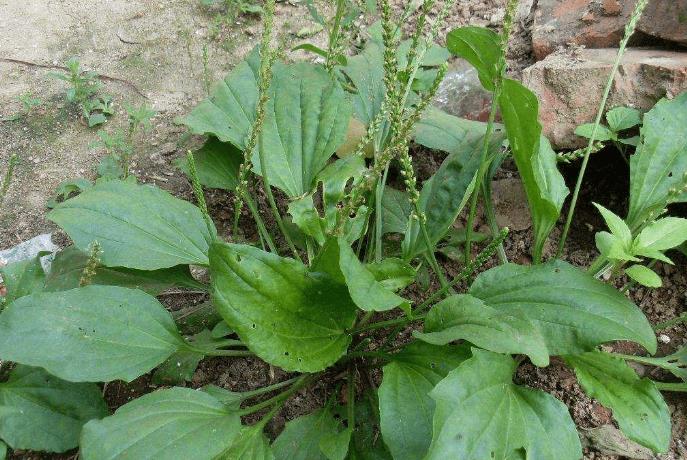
(324, 299)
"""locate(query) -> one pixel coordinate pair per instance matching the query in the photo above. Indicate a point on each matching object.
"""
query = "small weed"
(83, 92)
(28, 103)
(119, 145)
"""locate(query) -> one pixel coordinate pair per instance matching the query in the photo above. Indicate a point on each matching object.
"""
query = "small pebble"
(663, 338)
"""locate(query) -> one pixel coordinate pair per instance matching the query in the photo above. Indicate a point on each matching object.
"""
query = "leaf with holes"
(137, 226)
(481, 414)
(464, 317)
(637, 405)
(89, 334)
(176, 423)
(405, 407)
(340, 262)
(574, 311)
(444, 195)
(289, 316)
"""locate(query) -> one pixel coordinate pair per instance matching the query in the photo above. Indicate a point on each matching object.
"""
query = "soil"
(153, 50)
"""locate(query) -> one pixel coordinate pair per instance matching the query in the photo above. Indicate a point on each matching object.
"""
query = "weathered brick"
(570, 87)
(666, 19)
(591, 23)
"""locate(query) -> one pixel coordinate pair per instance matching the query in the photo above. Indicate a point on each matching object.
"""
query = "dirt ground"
(153, 52)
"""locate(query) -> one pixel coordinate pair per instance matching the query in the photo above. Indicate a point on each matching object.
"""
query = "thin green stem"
(493, 224)
(262, 229)
(379, 195)
(477, 262)
(383, 324)
(639, 359)
(664, 386)
(480, 174)
(301, 381)
(269, 388)
(671, 322)
(333, 46)
(431, 258)
(272, 202)
(198, 191)
(230, 353)
(350, 403)
(629, 30)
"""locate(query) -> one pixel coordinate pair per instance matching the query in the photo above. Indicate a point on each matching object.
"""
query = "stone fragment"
(590, 23)
(570, 87)
(666, 19)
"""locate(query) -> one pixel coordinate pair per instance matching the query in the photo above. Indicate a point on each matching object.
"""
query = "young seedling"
(84, 86)
(120, 145)
(28, 103)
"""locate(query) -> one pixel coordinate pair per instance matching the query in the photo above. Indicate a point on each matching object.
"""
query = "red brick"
(591, 23)
(666, 19)
(570, 87)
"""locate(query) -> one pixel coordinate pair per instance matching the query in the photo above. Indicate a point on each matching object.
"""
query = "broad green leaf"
(89, 334)
(366, 443)
(41, 412)
(479, 46)
(68, 266)
(663, 234)
(536, 161)
(444, 195)
(334, 179)
(438, 130)
(406, 410)
(613, 247)
(217, 164)
(226, 397)
(392, 273)
(3, 450)
(463, 317)
(229, 112)
(616, 225)
(480, 414)
(644, 276)
(251, 444)
(137, 226)
(602, 132)
(301, 437)
(660, 161)
(176, 423)
(622, 118)
(307, 218)
(177, 369)
(334, 446)
(287, 315)
(395, 210)
(574, 311)
(22, 278)
(340, 262)
(366, 73)
(306, 121)
(637, 405)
